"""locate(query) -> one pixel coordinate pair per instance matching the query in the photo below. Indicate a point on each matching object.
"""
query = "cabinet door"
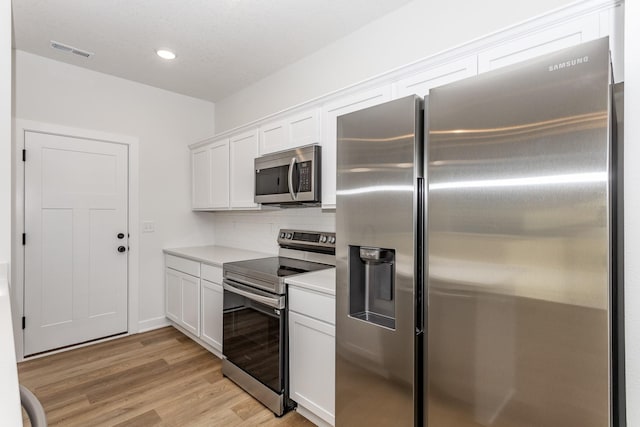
(182, 300)
(200, 177)
(211, 330)
(312, 365)
(173, 294)
(558, 37)
(330, 113)
(293, 131)
(190, 287)
(420, 83)
(304, 128)
(273, 137)
(210, 176)
(220, 174)
(243, 149)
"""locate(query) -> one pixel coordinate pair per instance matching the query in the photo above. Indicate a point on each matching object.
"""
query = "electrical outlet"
(148, 226)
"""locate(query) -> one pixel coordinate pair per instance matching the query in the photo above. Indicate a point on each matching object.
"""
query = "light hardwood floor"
(158, 378)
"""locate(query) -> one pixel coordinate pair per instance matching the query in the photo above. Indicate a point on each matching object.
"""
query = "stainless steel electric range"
(255, 336)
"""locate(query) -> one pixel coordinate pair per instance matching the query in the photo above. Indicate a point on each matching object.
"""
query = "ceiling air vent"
(70, 49)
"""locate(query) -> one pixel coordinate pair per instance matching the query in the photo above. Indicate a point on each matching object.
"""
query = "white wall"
(164, 122)
(632, 209)
(5, 131)
(415, 31)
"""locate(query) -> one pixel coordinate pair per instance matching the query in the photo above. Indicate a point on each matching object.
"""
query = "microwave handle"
(293, 194)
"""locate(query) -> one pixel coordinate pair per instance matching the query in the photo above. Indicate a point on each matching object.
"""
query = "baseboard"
(151, 324)
(320, 422)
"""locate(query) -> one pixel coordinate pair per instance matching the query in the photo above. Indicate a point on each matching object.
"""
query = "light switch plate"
(148, 226)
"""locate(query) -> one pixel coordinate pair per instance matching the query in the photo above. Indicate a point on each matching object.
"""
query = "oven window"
(253, 339)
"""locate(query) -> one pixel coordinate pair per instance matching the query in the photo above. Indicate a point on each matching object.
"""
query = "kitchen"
(166, 202)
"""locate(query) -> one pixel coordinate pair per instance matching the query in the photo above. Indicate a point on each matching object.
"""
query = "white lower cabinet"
(211, 331)
(312, 358)
(193, 299)
(183, 299)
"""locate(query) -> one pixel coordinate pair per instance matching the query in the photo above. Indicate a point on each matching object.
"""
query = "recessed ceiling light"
(165, 54)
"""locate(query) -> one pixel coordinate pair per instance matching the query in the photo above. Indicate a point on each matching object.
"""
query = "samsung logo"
(568, 64)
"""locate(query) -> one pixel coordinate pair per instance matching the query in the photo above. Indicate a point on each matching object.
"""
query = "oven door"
(254, 334)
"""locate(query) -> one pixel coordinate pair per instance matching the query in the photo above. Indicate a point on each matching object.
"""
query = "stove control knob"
(282, 235)
(323, 239)
(332, 240)
(289, 236)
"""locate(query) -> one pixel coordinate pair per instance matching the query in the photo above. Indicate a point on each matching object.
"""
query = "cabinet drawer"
(182, 264)
(313, 304)
(212, 274)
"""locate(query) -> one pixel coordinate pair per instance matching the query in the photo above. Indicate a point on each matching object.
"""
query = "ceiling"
(222, 45)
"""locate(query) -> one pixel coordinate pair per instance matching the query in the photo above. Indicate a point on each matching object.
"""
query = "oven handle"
(294, 196)
(273, 302)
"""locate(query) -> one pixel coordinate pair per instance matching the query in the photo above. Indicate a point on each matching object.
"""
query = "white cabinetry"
(312, 354)
(420, 83)
(211, 308)
(292, 131)
(243, 150)
(537, 43)
(330, 113)
(182, 290)
(193, 299)
(200, 177)
(222, 173)
(210, 176)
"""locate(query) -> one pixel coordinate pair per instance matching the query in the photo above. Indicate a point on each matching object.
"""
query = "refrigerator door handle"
(420, 290)
(290, 182)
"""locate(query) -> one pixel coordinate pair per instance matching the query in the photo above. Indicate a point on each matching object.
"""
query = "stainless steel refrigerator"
(378, 227)
(522, 246)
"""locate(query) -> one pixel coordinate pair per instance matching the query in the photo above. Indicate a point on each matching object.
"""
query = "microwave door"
(272, 184)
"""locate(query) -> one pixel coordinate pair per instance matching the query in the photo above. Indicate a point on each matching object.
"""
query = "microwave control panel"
(305, 176)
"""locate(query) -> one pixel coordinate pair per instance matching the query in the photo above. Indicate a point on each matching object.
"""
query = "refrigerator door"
(379, 161)
(519, 245)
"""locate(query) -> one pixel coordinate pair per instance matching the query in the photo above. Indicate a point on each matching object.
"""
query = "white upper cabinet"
(223, 174)
(210, 175)
(220, 174)
(330, 113)
(243, 150)
(200, 177)
(420, 83)
(538, 43)
(293, 131)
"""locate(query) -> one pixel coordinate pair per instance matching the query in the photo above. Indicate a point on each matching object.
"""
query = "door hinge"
(24, 155)
(24, 239)
(24, 321)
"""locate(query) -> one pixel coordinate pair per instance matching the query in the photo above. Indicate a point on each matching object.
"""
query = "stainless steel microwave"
(289, 177)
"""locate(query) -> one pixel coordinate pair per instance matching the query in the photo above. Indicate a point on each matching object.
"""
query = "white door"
(75, 278)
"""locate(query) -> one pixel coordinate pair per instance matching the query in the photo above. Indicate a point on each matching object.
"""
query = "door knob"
(121, 249)
(120, 235)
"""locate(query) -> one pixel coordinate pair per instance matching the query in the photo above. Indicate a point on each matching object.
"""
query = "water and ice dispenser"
(371, 285)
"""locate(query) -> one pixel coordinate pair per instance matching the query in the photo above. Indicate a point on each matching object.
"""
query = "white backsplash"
(258, 230)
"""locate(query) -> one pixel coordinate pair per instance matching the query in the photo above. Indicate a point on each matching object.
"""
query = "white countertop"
(323, 281)
(215, 255)
(10, 409)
